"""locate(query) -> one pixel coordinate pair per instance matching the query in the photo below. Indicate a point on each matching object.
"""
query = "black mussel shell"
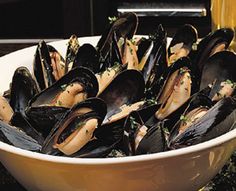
(88, 57)
(209, 43)
(124, 26)
(219, 68)
(139, 139)
(80, 74)
(73, 119)
(113, 56)
(22, 122)
(13, 136)
(57, 62)
(44, 116)
(187, 35)
(23, 88)
(155, 64)
(95, 149)
(113, 131)
(219, 119)
(180, 63)
(185, 79)
(196, 100)
(126, 88)
(42, 68)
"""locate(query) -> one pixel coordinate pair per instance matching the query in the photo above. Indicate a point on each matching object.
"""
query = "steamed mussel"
(127, 94)
(46, 108)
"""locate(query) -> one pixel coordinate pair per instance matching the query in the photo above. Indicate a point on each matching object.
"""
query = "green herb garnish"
(112, 19)
(63, 87)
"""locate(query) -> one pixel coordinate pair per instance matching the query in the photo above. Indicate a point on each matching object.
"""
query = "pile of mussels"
(128, 94)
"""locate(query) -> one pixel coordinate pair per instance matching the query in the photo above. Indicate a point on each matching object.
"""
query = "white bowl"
(183, 169)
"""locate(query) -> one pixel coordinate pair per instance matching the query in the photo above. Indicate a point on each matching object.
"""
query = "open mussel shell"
(13, 136)
(112, 129)
(214, 42)
(76, 128)
(208, 124)
(42, 66)
(88, 57)
(125, 89)
(179, 84)
(71, 52)
(23, 88)
(46, 108)
(57, 62)
(141, 139)
(124, 26)
(219, 72)
(153, 60)
(182, 42)
(6, 111)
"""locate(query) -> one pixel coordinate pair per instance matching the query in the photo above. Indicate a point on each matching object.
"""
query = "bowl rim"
(227, 137)
(218, 141)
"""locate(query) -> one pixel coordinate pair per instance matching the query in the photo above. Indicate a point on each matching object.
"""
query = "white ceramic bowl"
(184, 169)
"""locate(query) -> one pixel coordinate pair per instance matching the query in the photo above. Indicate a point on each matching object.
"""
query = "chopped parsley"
(151, 101)
(182, 71)
(233, 84)
(63, 87)
(133, 123)
(112, 19)
(183, 118)
(59, 103)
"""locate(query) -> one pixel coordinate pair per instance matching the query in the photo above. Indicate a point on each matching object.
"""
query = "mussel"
(182, 42)
(218, 72)
(203, 122)
(124, 27)
(126, 88)
(140, 138)
(179, 85)
(71, 52)
(76, 128)
(6, 111)
(214, 42)
(23, 89)
(46, 108)
(14, 136)
(42, 66)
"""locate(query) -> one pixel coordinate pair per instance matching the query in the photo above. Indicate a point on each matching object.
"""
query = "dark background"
(61, 18)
